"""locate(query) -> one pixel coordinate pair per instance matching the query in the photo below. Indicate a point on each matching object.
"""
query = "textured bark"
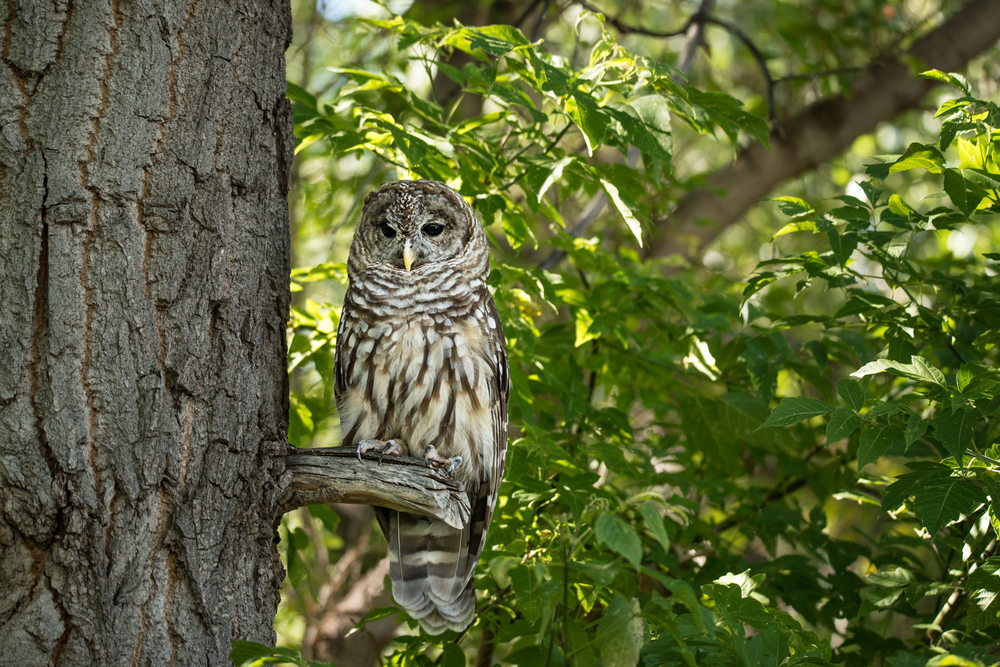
(336, 475)
(144, 152)
(824, 130)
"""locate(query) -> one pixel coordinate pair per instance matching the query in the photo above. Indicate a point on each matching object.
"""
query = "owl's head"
(414, 226)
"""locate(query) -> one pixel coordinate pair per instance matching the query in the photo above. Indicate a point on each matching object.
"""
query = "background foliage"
(781, 454)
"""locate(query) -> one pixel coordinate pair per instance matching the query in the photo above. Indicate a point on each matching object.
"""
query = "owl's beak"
(407, 255)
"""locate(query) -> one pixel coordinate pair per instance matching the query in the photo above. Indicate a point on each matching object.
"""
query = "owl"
(421, 370)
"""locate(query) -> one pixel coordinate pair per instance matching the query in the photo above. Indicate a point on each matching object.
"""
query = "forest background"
(746, 262)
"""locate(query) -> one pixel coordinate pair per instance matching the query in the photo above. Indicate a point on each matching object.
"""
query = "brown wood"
(335, 475)
(144, 154)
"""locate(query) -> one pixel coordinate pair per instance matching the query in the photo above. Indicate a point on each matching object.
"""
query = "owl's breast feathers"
(422, 370)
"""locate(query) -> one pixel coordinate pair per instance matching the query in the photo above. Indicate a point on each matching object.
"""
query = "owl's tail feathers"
(428, 565)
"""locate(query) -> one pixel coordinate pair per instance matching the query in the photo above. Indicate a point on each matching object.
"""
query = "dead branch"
(335, 475)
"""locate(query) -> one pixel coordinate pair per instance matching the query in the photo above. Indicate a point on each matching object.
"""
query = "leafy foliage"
(691, 452)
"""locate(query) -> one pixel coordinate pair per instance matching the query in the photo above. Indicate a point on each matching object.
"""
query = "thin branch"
(625, 28)
(335, 475)
(757, 55)
(524, 15)
(541, 19)
(702, 17)
(819, 74)
(695, 40)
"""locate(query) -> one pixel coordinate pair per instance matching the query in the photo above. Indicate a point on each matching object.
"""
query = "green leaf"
(883, 409)
(879, 599)
(613, 532)
(793, 206)
(551, 173)
(925, 474)
(857, 217)
(452, 655)
(624, 210)
(728, 113)
(915, 429)
(852, 393)
(842, 424)
(580, 646)
(863, 302)
(495, 40)
(875, 441)
(655, 524)
(918, 369)
(796, 226)
(300, 95)
(964, 194)
(730, 601)
(327, 515)
(892, 578)
(794, 409)
(244, 652)
(842, 245)
(970, 155)
(919, 156)
(528, 601)
(645, 123)
(619, 634)
(590, 118)
(583, 323)
(946, 501)
(954, 430)
(952, 78)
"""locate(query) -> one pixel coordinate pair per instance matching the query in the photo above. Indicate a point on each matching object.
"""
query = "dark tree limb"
(335, 475)
(824, 130)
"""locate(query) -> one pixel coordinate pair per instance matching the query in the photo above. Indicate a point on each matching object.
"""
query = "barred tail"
(430, 570)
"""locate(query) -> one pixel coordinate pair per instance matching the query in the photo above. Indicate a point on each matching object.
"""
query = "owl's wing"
(339, 358)
(485, 498)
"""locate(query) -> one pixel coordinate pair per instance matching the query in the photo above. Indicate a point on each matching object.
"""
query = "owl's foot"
(431, 454)
(383, 448)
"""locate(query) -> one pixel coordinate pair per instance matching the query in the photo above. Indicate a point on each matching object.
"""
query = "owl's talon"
(391, 447)
(431, 454)
(382, 447)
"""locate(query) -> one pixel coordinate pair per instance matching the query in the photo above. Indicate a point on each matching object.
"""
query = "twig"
(541, 19)
(625, 28)
(702, 17)
(696, 38)
(757, 55)
(531, 8)
(818, 74)
(335, 475)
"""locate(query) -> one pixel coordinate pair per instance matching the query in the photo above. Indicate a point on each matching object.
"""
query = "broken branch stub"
(335, 475)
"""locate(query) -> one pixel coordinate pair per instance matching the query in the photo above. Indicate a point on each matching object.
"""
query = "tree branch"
(335, 475)
(824, 130)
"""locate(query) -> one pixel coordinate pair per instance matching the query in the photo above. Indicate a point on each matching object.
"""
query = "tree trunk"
(144, 153)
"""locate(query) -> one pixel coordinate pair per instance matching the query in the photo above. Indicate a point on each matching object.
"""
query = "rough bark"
(337, 475)
(144, 152)
(824, 130)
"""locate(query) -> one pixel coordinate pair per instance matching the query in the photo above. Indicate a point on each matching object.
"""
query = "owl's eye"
(387, 230)
(433, 229)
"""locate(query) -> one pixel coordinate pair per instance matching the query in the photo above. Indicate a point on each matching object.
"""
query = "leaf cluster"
(685, 480)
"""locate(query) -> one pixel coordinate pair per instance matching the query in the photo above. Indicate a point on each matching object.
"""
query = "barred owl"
(421, 370)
